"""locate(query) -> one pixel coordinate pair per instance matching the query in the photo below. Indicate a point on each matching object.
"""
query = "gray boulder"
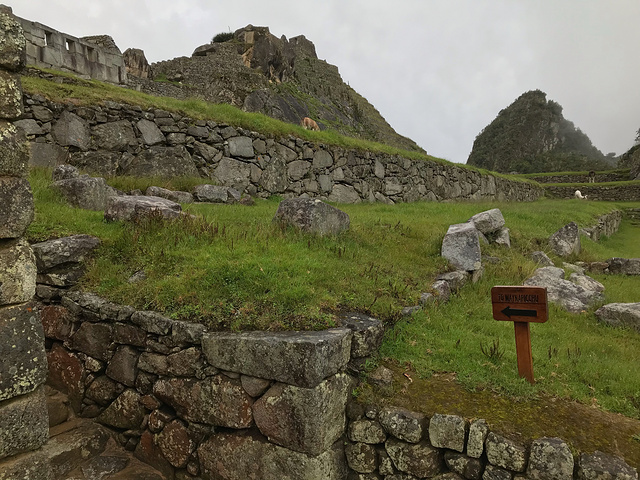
(151, 134)
(101, 162)
(132, 207)
(162, 161)
(174, 196)
(29, 126)
(14, 151)
(233, 173)
(456, 279)
(303, 359)
(367, 333)
(72, 131)
(625, 266)
(403, 424)
(573, 298)
(23, 424)
(600, 466)
(215, 194)
(312, 216)
(566, 241)
(448, 431)
(542, 259)
(461, 247)
(16, 206)
(366, 431)
(61, 251)
(90, 193)
(586, 282)
(501, 237)
(116, 136)
(489, 221)
(550, 459)
(478, 431)
(241, 147)
(307, 420)
(361, 457)
(64, 172)
(620, 315)
(344, 194)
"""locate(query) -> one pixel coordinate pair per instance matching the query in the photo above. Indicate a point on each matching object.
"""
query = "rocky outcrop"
(136, 63)
(575, 295)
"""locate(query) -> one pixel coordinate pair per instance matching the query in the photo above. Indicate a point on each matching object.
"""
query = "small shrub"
(222, 37)
(493, 351)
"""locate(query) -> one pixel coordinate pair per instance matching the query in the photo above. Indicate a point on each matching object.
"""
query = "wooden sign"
(521, 305)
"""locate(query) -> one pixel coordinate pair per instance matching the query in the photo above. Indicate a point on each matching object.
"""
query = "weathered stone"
(161, 161)
(16, 206)
(12, 43)
(505, 453)
(461, 247)
(27, 466)
(403, 424)
(489, 221)
(361, 457)
(313, 216)
(625, 266)
(10, 95)
(106, 465)
(241, 147)
(67, 374)
(175, 444)
(566, 294)
(150, 453)
(478, 431)
(306, 420)
(174, 196)
(441, 291)
(381, 376)
(550, 459)
(566, 241)
(214, 194)
(448, 431)
(56, 322)
(24, 363)
(183, 333)
(303, 359)
(367, 333)
(103, 390)
(502, 238)
(125, 412)
(94, 339)
(186, 363)
(90, 193)
(419, 459)
(322, 159)
(233, 173)
(17, 272)
(64, 172)
(132, 207)
(344, 194)
(29, 126)
(600, 466)
(150, 133)
(469, 468)
(456, 279)
(298, 169)
(152, 322)
(620, 315)
(491, 472)
(101, 163)
(586, 282)
(366, 431)
(249, 457)
(72, 131)
(24, 423)
(542, 259)
(14, 151)
(55, 253)
(215, 400)
(123, 366)
(254, 386)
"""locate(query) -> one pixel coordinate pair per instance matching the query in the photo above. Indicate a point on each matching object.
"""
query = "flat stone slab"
(73, 249)
(303, 359)
(620, 315)
(130, 207)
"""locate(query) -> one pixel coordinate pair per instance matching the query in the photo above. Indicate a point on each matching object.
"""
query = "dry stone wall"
(621, 193)
(583, 178)
(24, 425)
(117, 139)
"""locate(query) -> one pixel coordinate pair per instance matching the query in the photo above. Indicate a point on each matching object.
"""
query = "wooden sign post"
(521, 305)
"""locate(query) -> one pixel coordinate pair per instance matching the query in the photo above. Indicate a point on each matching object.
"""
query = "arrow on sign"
(519, 313)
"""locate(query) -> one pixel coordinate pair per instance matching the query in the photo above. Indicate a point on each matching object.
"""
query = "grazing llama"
(579, 195)
(309, 124)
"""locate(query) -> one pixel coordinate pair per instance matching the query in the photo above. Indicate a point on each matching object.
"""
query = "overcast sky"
(439, 71)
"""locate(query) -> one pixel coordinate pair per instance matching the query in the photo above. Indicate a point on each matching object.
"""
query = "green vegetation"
(222, 37)
(231, 268)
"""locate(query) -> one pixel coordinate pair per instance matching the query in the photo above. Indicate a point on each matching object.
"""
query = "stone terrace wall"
(118, 139)
(24, 425)
(48, 48)
(582, 178)
(626, 192)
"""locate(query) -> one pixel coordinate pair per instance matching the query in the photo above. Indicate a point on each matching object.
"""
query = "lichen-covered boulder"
(366, 431)
(600, 466)
(55, 253)
(17, 272)
(620, 315)
(174, 196)
(16, 206)
(505, 453)
(13, 53)
(489, 221)
(461, 247)
(418, 459)
(566, 241)
(624, 266)
(403, 424)
(478, 431)
(10, 95)
(24, 424)
(573, 298)
(132, 207)
(215, 194)
(361, 457)
(14, 151)
(125, 412)
(448, 431)
(550, 459)
(542, 259)
(367, 333)
(90, 193)
(312, 216)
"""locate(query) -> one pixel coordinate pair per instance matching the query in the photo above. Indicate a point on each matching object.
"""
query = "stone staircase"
(80, 449)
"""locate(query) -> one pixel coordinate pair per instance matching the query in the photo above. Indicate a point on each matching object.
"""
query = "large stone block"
(307, 420)
(215, 194)
(10, 96)
(13, 50)
(16, 206)
(461, 246)
(90, 193)
(24, 363)
(241, 147)
(573, 298)
(403, 424)
(303, 359)
(14, 151)
(566, 241)
(489, 221)
(67, 374)
(116, 136)
(61, 251)
(72, 131)
(162, 161)
(418, 459)
(126, 412)
(132, 207)
(251, 457)
(101, 163)
(17, 272)
(151, 134)
(620, 315)
(47, 155)
(233, 173)
(600, 466)
(448, 431)
(215, 400)
(24, 423)
(550, 459)
(626, 266)
(313, 216)
(367, 333)
(505, 453)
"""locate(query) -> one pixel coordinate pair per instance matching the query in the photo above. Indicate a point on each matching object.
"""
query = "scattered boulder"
(489, 221)
(174, 196)
(598, 465)
(64, 172)
(90, 193)
(625, 266)
(461, 247)
(215, 194)
(59, 261)
(620, 315)
(456, 279)
(542, 259)
(312, 216)
(573, 298)
(566, 241)
(132, 207)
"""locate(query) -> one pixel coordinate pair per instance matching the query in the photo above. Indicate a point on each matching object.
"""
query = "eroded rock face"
(566, 241)
(136, 63)
(313, 216)
(307, 420)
